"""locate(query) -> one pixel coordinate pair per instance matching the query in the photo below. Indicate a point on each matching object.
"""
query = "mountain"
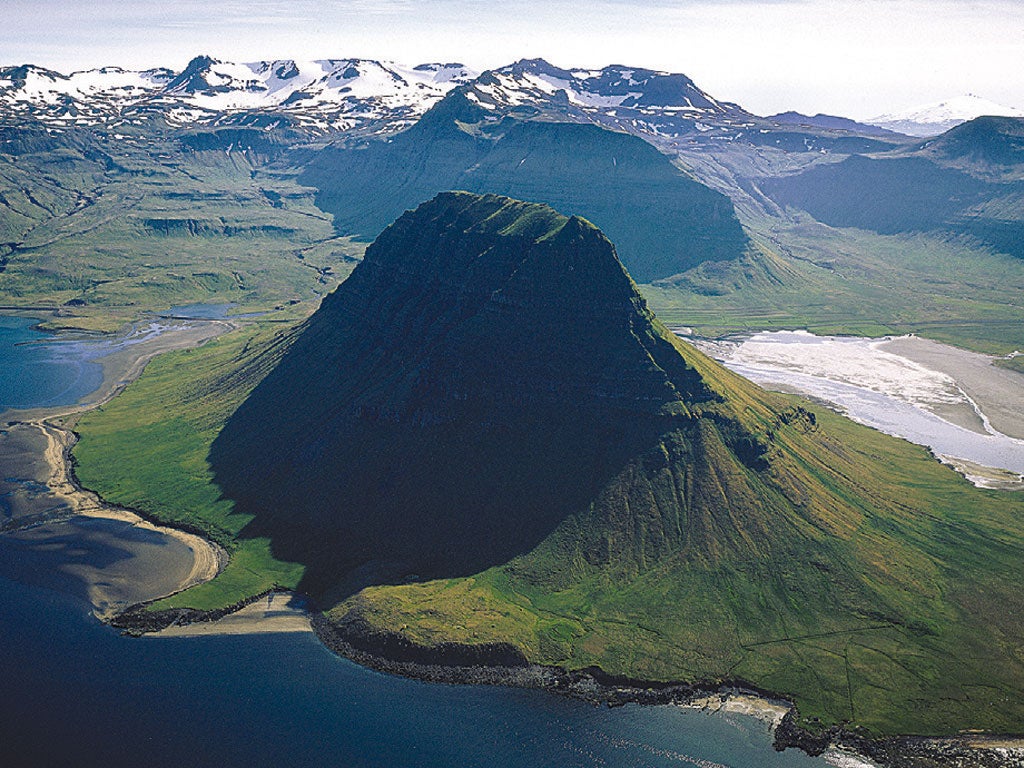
(985, 143)
(967, 182)
(830, 122)
(319, 96)
(483, 440)
(490, 431)
(933, 119)
(663, 219)
(487, 378)
(615, 95)
(665, 109)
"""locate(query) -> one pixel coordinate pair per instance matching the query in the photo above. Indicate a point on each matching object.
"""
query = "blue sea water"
(37, 371)
(77, 693)
(73, 692)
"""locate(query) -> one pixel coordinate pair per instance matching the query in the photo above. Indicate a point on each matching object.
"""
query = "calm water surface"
(77, 693)
(37, 371)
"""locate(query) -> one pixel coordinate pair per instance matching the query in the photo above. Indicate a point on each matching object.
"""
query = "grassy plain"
(853, 282)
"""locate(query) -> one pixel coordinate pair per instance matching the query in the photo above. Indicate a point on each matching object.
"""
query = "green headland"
(484, 435)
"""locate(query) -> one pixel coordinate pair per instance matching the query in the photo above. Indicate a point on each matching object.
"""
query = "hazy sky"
(857, 58)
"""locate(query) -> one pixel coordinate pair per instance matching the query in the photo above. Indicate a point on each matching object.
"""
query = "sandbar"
(998, 392)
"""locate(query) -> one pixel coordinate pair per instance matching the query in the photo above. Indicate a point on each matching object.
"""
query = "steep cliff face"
(486, 373)
(484, 440)
(662, 221)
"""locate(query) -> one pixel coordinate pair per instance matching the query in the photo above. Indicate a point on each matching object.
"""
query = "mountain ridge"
(523, 454)
(319, 95)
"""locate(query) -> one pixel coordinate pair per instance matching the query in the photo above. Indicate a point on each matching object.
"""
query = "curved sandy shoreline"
(125, 364)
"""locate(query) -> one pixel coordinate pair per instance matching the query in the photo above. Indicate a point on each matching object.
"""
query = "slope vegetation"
(662, 220)
(484, 436)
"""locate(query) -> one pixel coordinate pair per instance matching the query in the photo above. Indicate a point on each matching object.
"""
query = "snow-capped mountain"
(321, 96)
(933, 119)
(659, 104)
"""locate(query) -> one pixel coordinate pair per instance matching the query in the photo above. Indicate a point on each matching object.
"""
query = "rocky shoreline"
(504, 665)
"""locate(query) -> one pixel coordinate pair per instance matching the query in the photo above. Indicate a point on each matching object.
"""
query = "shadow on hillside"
(367, 499)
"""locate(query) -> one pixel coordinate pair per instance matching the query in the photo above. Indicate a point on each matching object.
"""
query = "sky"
(856, 58)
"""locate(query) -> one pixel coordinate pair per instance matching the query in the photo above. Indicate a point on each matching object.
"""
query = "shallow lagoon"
(39, 371)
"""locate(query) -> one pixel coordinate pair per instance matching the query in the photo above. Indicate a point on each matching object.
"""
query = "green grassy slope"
(147, 450)
(906, 620)
(120, 226)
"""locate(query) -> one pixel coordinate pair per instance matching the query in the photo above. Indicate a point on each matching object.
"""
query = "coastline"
(495, 664)
(501, 664)
(55, 424)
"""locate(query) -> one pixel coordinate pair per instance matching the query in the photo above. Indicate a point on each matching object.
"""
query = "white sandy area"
(269, 614)
(766, 710)
(998, 392)
(872, 364)
(843, 759)
(207, 558)
(966, 409)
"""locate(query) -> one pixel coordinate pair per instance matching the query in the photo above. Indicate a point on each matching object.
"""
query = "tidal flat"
(958, 403)
(57, 533)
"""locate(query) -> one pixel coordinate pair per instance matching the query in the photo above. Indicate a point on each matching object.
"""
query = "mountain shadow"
(486, 372)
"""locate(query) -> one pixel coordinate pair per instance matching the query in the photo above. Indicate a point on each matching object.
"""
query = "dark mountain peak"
(542, 245)
(535, 66)
(485, 372)
(830, 122)
(434, 66)
(19, 74)
(456, 107)
(987, 140)
(193, 78)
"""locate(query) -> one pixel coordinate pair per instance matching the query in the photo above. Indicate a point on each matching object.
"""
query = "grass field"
(852, 282)
(147, 450)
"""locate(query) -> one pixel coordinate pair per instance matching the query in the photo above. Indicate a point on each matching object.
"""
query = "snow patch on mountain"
(322, 95)
(933, 119)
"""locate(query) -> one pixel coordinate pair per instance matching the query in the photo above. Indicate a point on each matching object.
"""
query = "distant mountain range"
(367, 96)
(321, 96)
(933, 119)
